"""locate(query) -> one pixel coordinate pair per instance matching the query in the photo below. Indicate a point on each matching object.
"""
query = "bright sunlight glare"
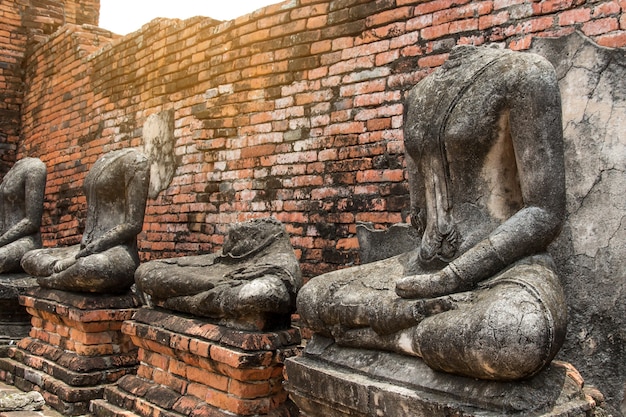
(125, 16)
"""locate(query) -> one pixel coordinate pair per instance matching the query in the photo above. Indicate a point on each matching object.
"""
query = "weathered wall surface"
(24, 23)
(12, 50)
(295, 111)
(590, 250)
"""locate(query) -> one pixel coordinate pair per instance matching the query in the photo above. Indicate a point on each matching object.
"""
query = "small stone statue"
(116, 188)
(478, 296)
(251, 284)
(21, 208)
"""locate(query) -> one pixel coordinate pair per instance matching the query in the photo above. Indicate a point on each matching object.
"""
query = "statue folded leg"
(508, 328)
(110, 271)
(251, 284)
(11, 254)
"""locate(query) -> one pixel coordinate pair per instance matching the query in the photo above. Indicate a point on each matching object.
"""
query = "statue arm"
(136, 192)
(34, 189)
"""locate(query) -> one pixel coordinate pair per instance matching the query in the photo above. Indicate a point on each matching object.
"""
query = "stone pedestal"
(14, 319)
(331, 381)
(189, 367)
(75, 347)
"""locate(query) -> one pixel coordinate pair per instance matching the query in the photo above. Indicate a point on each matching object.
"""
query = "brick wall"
(12, 49)
(24, 23)
(293, 111)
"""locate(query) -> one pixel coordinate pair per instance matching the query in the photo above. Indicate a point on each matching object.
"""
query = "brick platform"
(75, 347)
(189, 367)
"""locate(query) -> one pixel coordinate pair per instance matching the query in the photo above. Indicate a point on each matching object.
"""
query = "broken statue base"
(192, 367)
(332, 381)
(75, 347)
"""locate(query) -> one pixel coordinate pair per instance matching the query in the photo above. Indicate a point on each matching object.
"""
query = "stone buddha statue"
(21, 207)
(116, 188)
(478, 296)
(250, 285)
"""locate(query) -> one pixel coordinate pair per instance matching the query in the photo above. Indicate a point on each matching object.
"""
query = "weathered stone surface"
(116, 189)
(196, 327)
(21, 208)
(478, 296)
(332, 381)
(59, 301)
(251, 284)
(590, 251)
(376, 244)
(27, 401)
(159, 141)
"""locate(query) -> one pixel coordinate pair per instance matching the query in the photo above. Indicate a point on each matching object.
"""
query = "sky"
(125, 16)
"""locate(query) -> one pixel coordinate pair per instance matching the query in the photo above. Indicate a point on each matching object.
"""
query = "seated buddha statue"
(478, 295)
(251, 284)
(116, 188)
(21, 207)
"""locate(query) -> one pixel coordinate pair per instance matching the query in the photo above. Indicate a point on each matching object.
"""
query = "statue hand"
(86, 251)
(430, 306)
(63, 264)
(432, 285)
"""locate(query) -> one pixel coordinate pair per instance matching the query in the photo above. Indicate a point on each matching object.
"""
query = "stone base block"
(331, 381)
(14, 319)
(189, 367)
(75, 347)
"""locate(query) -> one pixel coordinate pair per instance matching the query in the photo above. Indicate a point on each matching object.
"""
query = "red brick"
(613, 40)
(463, 25)
(348, 243)
(501, 4)
(199, 391)
(255, 151)
(428, 6)
(600, 26)
(521, 44)
(498, 19)
(605, 9)
(288, 28)
(570, 17)
(435, 32)
(210, 379)
(378, 124)
(432, 61)
(252, 390)
(394, 15)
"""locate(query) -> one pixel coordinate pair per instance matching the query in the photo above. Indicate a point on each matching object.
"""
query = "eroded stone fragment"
(251, 284)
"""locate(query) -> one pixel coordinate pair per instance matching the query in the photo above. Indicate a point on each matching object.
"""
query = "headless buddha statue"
(478, 296)
(21, 207)
(250, 285)
(116, 188)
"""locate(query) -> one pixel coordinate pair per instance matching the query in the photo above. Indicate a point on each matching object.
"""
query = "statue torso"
(459, 136)
(13, 195)
(105, 188)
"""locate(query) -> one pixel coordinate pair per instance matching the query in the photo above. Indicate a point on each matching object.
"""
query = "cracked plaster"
(590, 250)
